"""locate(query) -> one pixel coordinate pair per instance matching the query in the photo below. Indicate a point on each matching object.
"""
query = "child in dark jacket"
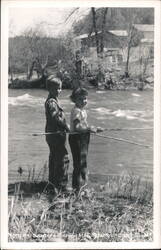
(56, 125)
(79, 137)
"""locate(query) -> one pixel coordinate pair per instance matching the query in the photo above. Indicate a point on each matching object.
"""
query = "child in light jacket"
(80, 137)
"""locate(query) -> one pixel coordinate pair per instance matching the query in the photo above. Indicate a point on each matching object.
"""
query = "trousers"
(58, 160)
(79, 144)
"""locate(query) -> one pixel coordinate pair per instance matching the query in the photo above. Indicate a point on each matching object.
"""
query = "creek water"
(108, 109)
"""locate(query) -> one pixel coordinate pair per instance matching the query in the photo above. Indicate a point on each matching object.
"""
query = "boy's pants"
(58, 160)
(79, 147)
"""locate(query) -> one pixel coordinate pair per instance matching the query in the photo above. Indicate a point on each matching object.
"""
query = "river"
(108, 109)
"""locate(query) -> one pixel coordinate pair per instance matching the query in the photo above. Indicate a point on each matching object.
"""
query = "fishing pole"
(104, 129)
(54, 133)
(123, 140)
(119, 129)
(96, 134)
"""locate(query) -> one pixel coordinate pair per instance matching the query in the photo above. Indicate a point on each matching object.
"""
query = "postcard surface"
(80, 124)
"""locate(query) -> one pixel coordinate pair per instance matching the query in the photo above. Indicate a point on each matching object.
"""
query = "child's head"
(79, 97)
(54, 85)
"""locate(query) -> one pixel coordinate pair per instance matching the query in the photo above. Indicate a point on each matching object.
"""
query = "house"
(115, 47)
(114, 40)
(146, 29)
(145, 49)
(147, 42)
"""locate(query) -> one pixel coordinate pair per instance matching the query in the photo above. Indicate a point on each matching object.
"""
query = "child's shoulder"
(51, 102)
(75, 110)
(78, 113)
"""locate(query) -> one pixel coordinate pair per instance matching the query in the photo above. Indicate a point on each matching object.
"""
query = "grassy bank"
(119, 209)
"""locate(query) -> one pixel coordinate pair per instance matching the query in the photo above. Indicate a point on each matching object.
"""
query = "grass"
(120, 209)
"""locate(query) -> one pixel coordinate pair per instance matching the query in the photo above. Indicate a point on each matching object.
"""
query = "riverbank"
(126, 85)
(115, 82)
(118, 210)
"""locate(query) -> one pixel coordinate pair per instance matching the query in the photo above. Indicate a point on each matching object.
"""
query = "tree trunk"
(103, 30)
(146, 61)
(127, 61)
(31, 70)
(89, 36)
(41, 68)
(128, 52)
(95, 29)
(11, 76)
(11, 73)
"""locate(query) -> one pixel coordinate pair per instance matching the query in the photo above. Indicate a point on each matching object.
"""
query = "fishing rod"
(119, 129)
(53, 133)
(123, 140)
(104, 129)
(96, 134)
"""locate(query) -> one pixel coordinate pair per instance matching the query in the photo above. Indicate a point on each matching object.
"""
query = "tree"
(95, 28)
(133, 39)
(129, 45)
(104, 14)
(99, 45)
(37, 50)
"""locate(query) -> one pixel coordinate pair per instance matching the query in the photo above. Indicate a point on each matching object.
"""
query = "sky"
(52, 20)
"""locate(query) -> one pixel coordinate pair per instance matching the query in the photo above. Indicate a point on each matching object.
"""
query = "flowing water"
(108, 109)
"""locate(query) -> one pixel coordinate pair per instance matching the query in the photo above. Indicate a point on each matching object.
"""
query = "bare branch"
(70, 14)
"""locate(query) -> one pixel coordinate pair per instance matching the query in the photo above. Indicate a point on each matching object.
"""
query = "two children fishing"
(79, 137)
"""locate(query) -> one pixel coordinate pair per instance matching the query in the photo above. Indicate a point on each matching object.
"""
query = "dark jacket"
(55, 118)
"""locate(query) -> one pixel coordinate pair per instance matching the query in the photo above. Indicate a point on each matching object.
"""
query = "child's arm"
(82, 127)
(60, 120)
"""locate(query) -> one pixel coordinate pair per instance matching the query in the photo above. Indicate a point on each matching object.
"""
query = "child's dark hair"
(52, 81)
(77, 93)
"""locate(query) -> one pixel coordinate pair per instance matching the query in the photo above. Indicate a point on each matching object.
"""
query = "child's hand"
(67, 128)
(99, 129)
(93, 129)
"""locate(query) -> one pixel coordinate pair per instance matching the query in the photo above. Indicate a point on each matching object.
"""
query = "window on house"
(120, 58)
(109, 53)
(113, 58)
(151, 52)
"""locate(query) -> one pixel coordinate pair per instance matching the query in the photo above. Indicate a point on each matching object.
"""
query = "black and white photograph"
(80, 118)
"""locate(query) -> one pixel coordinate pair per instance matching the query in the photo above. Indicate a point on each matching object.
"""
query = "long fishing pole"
(53, 133)
(96, 134)
(123, 140)
(104, 129)
(119, 129)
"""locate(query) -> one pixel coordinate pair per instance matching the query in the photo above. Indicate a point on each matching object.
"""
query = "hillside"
(117, 18)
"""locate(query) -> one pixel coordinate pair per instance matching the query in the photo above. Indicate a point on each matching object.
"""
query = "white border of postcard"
(5, 5)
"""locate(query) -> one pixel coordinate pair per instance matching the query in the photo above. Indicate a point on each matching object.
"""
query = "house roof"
(111, 49)
(86, 35)
(144, 27)
(118, 32)
(147, 40)
(114, 32)
(140, 27)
